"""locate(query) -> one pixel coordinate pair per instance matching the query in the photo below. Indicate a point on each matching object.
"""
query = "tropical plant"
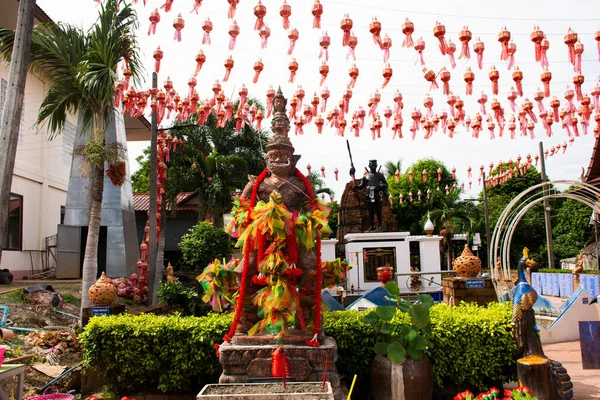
(82, 71)
(391, 168)
(396, 339)
(202, 244)
(318, 184)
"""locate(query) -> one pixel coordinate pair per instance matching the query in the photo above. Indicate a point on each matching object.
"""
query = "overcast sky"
(483, 18)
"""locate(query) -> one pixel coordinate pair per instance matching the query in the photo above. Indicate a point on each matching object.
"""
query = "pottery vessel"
(467, 265)
(385, 274)
(411, 380)
(102, 293)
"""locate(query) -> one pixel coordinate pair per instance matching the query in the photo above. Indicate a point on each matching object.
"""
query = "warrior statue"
(375, 187)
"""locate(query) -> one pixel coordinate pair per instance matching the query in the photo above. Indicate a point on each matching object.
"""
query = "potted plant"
(401, 369)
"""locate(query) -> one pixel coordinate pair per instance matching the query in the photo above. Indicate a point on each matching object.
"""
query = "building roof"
(141, 202)
(592, 176)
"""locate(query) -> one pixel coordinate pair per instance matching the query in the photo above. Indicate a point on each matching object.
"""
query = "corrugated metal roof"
(141, 202)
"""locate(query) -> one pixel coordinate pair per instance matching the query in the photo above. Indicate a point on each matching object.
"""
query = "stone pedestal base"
(244, 361)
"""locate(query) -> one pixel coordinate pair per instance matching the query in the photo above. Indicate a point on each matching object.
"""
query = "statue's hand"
(352, 171)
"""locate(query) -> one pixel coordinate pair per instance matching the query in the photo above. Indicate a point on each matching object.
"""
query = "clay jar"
(102, 293)
(467, 265)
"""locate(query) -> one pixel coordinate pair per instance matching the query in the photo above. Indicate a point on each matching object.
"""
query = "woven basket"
(52, 396)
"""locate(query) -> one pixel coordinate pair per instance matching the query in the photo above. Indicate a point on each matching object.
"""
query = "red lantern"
(482, 100)
(157, 55)
(517, 76)
(479, 48)
(430, 77)
(322, 172)
(578, 52)
(315, 103)
(450, 51)
(387, 113)
(374, 101)
(352, 46)
(387, 75)
(260, 11)
(154, 20)
(319, 122)
(324, 42)
(546, 77)
(178, 24)
(353, 72)
(323, 70)
(207, 27)
(200, 60)
(285, 11)
(232, 8)
(445, 78)
(408, 28)
(428, 104)
(570, 40)
(469, 77)
(299, 125)
(234, 31)
(293, 35)
(346, 26)
(419, 47)
(555, 104)
(597, 37)
(512, 96)
(512, 49)
(494, 76)
(504, 38)
(536, 37)
(375, 29)
(293, 67)
(324, 95)
(439, 31)
(465, 37)
(578, 80)
(491, 126)
(300, 94)
(385, 46)
(264, 34)
(270, 97)
(545, 47)
(317, 11)
(228, 67)
(538, 96)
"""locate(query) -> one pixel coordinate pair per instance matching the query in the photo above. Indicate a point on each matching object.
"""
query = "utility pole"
(153, 245)
(487, 221)
(13, 108)
(547, 210)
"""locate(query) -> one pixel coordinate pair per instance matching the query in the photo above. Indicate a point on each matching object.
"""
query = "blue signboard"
(475, 283)
(98, 311)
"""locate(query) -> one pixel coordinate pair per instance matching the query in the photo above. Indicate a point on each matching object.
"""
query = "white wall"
(41, 176)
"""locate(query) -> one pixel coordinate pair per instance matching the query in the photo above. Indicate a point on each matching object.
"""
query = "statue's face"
(373, 166)
(280, 125)
(279, 162)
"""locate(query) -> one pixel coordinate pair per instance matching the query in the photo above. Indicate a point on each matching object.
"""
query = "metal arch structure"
(499, 260)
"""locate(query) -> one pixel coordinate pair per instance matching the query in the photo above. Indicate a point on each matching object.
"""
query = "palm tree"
(318, 184)
(392, 167)
(453, 216)
(82, 71)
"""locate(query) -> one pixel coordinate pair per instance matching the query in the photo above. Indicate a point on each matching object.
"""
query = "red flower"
(216, 346)
(259, 281)
(293, 272)
(313, 343)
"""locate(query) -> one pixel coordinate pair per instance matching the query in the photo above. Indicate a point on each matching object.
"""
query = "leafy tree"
(411, 216)
(333, 217)
(82, 71)
(203, 244)
(392, 167)
(318, 184)
(571, 228)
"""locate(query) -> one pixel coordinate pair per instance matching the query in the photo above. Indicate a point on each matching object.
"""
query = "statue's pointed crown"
(280, 124)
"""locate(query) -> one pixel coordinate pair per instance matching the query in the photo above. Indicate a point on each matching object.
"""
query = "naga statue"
(534, 369)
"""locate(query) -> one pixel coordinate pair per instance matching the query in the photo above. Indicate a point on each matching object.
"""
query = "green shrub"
(203, 244)
(177, 295)
(473, 346)
(563, 271)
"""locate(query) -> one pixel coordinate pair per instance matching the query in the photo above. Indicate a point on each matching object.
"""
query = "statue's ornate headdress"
(280, 124)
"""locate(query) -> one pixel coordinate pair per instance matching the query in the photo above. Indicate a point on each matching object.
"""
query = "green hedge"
(563, 271)
(473, 346)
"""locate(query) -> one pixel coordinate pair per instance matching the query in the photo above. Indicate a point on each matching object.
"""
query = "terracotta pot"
(102, 293)
(467, 265)
(6, 334)
(411, 380)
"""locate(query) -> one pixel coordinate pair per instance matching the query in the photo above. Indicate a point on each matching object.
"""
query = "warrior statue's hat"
(280, 124)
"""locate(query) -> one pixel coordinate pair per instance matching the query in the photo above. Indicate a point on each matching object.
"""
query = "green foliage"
(140, 179)
(472, 346)
(563, 271)
(570, 228)
(148, 351)
(412, 216)
(404, 337)
(177, 295)
(15, 297)
(203, 244)
(332, 219)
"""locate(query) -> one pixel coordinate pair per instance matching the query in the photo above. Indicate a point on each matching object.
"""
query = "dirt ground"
(44, 318)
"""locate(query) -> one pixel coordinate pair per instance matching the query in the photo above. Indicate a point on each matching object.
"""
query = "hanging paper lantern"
(401, 198)
(178, 24)
(536, 37)
(207, 27)
(450, 51)
(498, 114)
(424, 173)
(259, 11)
(157, 55)
(578, 80)
(285, 11)
(538, 96)
(469, 77)
(232, 8)
(504, 38)
(408, 28)
(398, 102)
(293, 67)
(308, 114)
(324, 42)
(512, 49)
(293, 35)
(353, 72)
(512, 97)
(270, 97)
(386, 44)
(578, 52)
(154, 20)
(322, 172)
(517, 76)
(430, 77)
(229, 63)
(243, 93)
(555, 104)
(317, 11)
(264, 34)
(323, 70)
(597, 37)
(410, 175)
(419, 47)
(315, 103)
(319, 122)
(387, 113)
(494, 76)
(346, 26)
(439, 31)
(428, 104)
(410, 196)
(570, 40)
(324, 95)
(234, 31)
(445, 78)
(387, 75)
(491, 126)
(300, 127)
(374, 102)
(308, 168)
(545, 46)
(596, 95)
(300, 94)
(482, 100)
(465, 37)
(197, 4)
(352, 46)
(478, 48)
(375, 29)
(546, 77)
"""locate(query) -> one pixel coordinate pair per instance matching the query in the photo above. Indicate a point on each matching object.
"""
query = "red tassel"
(167, 6)
(197, 4)
(317, 11)
(232, 8)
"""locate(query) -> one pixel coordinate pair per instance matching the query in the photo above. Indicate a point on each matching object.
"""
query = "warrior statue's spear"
(352, 169)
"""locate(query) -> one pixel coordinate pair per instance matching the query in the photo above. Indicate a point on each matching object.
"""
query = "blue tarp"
(330, 301)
